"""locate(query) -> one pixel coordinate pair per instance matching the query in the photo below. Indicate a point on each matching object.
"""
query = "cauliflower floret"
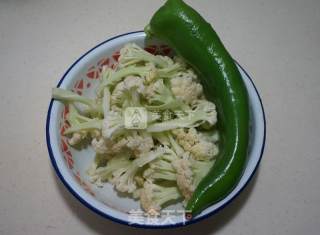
(146, 72)
(137, 143)
(105, 146)
(127, 93)
(161, 168)
(185, 88)
(196, 144)
(185, 171)
(76, 138)
(153, 74)
(123, 179)
(81, 126)
(181, 61)
(131, 54)
(202, 112)
(184, 177)
(204, 150)
(200, 169)
(99, 145)
(166, 139)
(160, 97)
(119, 145)
(153, 196)
(170, 71)
(115, 164)
(206, 109)
(140, 144)
(112, 125)
(133, 82)
(189, 173)
(158, 92)
(139, 180)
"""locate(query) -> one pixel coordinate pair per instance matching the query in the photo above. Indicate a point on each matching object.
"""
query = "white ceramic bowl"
(71, 165)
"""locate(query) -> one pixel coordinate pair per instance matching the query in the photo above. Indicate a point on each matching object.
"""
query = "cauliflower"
(161, 98)
(161, 138)
(212, 136)
(94, 107)
(105, 173)
(113, 125)
(189, 173)
(133, 54)
(145, 72)
(123, 179)
(76, 138)
(81, 126)
(185, 88)
(107, 146)
(200, 169)
(186, 172)
(153, 196)
(203, 112)
(204, 109)
(162, 168)
(140, 144)
(119, 145)
(196, 144)
(181, 61)
(139, 180)
(204, 150)
(99, 145)
(136, 144)
(166, 139)
(175, 146)
(127, 93)
(184, 177)
(82, 137)
(170, 71)
(106, 101)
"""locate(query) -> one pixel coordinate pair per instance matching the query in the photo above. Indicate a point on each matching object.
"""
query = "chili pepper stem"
(148, 31)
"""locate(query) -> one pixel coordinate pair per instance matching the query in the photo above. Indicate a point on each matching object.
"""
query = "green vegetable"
(195, 40)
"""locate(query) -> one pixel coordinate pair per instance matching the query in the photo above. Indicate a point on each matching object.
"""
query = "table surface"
(276, 41)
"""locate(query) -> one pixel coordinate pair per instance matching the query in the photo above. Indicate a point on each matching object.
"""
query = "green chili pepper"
(195, 40)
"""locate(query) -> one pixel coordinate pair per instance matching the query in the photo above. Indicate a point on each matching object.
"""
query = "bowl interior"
(71, 165)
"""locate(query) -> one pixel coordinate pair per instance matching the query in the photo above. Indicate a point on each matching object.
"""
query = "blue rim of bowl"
(99, 212)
